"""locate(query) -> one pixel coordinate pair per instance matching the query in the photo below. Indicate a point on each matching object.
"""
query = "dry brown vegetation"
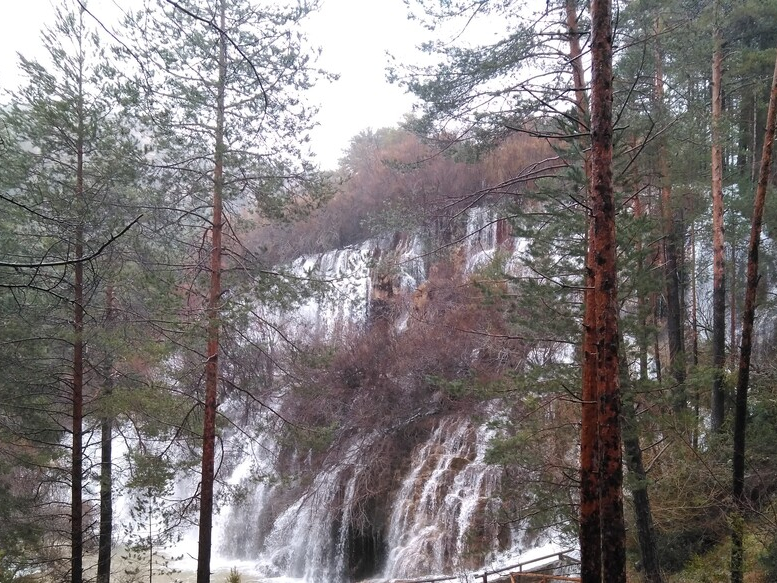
(391, 180)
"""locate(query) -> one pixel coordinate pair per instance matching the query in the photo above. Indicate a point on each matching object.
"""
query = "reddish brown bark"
(590, 539)
(612, 559)
(719, 261)
(214, 325)
(748, 317)
(590, 519)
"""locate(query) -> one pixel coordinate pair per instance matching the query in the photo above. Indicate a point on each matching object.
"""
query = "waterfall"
(348, 277)
(439, 522)
(437, 511)
(481, 241)
(487, 236)
(442, 518)
(309, 539)
(443, 503)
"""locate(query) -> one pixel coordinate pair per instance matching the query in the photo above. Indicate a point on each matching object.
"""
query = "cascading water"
(440, 513)
(439, 520)
(309, 539)
(349, 276)
(481, 242)
(322, 525)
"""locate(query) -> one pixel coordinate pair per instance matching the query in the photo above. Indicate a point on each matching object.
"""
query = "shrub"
(234, 576)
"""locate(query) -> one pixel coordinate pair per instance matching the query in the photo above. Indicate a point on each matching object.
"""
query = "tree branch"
(215, 27)
(71, 261)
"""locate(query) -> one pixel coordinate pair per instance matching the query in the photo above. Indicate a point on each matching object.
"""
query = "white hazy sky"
(354, 36)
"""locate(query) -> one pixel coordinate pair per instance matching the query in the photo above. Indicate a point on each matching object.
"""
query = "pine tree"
(71, 161)
(748, 317)
(719, 261)
(223, 83)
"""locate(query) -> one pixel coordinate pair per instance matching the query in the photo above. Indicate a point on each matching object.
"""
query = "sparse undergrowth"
(714, 566)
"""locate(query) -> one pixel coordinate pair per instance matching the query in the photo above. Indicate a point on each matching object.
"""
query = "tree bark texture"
(748, 317)
(590, 515)
(590, 536)
(719, 262)
(106, 466)
(612, 559)
(214, 325)
(638, 481)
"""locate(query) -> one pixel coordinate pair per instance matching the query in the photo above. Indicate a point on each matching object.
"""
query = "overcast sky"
(354, 36)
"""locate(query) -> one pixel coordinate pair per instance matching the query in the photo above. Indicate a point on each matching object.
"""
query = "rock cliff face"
(392, 480)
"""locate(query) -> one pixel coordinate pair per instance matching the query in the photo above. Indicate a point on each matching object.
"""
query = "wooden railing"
(540, 577)
(517, 573)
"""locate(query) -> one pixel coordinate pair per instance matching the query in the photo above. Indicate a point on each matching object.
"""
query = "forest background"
(153, 191)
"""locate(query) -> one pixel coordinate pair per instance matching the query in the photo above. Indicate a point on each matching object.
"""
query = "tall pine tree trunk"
(214, 323)
(590, 536)
(719, 261)
(610, 564)
(77, 462)
(578, 74)
(77, 465)
(631, 445)
(748, 317)
(643, 305)
(695, 338)
(106, 464)
(638, 481)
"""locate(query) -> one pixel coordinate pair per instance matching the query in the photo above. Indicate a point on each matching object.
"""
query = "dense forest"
(566, 275)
